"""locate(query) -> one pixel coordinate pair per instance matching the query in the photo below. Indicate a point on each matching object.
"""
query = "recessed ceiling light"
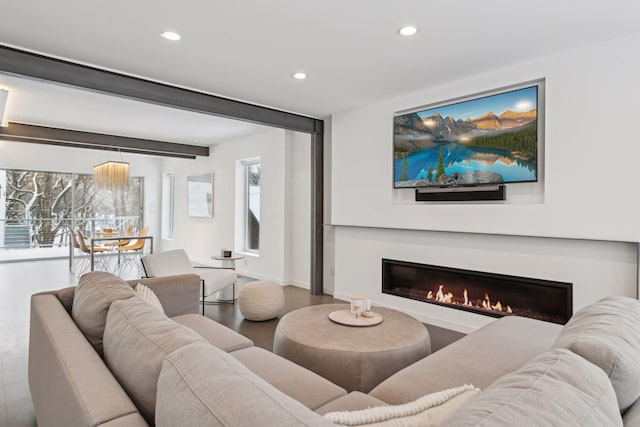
(170, 35)
(299, 75)
(407, 31)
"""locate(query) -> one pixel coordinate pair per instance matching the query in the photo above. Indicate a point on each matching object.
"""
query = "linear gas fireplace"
(491, 294)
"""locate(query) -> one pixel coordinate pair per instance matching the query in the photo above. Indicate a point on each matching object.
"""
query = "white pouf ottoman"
(261, 300)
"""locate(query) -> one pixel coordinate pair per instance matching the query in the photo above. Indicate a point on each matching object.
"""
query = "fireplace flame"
(466, 299)
(486, 302)
(443, 296)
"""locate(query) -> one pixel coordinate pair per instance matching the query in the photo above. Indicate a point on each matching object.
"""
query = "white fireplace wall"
(596, 268)
(575, 217)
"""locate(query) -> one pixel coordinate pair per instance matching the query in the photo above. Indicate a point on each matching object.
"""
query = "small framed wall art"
(200, 195)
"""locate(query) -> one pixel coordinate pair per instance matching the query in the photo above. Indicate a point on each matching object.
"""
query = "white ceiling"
(248, 50)
(46, 104)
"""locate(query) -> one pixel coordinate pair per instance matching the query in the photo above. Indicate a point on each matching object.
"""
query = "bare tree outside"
(40, 204)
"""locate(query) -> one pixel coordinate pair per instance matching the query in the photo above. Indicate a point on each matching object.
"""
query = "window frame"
(246, 206)
(168, 205)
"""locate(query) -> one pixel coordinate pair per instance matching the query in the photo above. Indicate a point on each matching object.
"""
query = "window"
(168, 205)
(248, 179)
(38, 207)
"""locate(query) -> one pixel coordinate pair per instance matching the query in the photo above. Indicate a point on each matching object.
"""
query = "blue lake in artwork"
(459, 158)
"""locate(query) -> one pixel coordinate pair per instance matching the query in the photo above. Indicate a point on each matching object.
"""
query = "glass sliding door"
(35, 208)
(38, 207)
(95, 209)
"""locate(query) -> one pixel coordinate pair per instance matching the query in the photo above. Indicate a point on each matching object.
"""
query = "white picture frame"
(200, 195)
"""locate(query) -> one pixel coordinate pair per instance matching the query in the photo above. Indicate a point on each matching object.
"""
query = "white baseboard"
(252, 275)
(298, 284)
(307, 286)
(328, 291)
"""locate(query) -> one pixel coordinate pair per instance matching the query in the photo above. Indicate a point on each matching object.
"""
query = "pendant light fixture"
(111, 175)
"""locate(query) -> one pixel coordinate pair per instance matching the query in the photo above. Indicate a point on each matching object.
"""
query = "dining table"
(110, 236)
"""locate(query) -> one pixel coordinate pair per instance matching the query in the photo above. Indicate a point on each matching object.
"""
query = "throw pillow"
(91, 301)
(428, 411)
(201, 385)
(606, 334)
(66, 297)
(137, 337)
(149, 296)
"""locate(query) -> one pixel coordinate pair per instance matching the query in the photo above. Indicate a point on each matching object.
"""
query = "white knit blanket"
(385, 413)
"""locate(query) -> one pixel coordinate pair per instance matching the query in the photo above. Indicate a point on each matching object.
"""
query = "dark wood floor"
(18, 281)
(262, 332)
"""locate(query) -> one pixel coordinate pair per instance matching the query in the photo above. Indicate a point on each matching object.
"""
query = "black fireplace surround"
(485, 293)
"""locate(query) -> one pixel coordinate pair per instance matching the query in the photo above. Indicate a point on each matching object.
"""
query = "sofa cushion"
(607, 334)
(91, 301)
(219, 335)
(477, 358)
(201, 385)
(631, 417)
(428, 411)
(305, 386)
(556, 388)
(137, 337)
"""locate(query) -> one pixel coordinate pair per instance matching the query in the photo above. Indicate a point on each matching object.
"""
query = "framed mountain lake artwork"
(483, 140)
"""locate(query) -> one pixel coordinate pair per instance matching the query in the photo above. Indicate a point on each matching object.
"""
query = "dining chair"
(80, 260)
(99, 252)
(130, 255)
(176, 261)
(121, 242)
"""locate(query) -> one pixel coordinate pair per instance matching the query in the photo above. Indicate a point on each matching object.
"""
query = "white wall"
(18, 155)
(590, 149)
(286, 179)
(589, 189)
(204, 237)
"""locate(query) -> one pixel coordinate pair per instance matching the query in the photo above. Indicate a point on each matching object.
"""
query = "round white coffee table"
(356, 358)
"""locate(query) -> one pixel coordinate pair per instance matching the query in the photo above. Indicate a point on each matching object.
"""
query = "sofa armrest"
(178, 294)
(70, 384)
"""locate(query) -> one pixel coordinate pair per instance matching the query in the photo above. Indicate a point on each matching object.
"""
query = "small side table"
(228, 262)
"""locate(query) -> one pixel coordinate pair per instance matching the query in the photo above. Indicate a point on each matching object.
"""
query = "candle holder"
(359, 305)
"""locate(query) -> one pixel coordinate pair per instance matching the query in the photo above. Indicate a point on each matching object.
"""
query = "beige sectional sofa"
(100, 355)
